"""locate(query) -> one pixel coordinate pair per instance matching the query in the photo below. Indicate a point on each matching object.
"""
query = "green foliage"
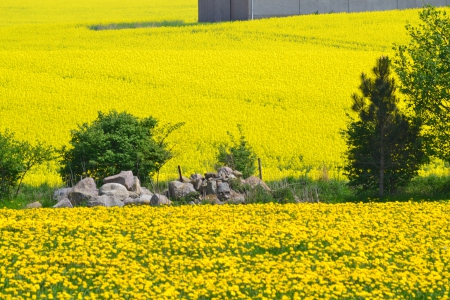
(284, 195)
(237, 185)
(115, 142)
(385, 149)
(239, 156)
(10, 163)
(195, 197)
(17, 158)
(423, 67)
(259, 195)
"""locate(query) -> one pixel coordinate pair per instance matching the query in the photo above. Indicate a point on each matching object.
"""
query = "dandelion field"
(288, 81)
(271, 251)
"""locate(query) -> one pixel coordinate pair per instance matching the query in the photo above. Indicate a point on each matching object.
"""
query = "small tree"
(423, 67)
(385, 149)
(17, 158)
(10, 163)
(114, 142)
(239, 156)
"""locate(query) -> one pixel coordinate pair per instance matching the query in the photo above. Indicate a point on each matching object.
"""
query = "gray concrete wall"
(214, 10)
(279, 8)
(239, 10)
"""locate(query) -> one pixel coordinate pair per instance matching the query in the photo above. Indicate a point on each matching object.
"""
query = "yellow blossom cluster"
(288, 81)
(295, 251)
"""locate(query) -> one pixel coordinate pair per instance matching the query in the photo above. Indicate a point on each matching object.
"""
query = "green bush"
(284, 195)
(115, 142)
(16, 159)
(239, 156)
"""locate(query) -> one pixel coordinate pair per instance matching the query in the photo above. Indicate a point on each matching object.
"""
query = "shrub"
(239, 156)
(114, 142)
(17, 158)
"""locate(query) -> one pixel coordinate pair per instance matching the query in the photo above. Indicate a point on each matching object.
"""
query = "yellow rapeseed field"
(272, 251)
(288, 81)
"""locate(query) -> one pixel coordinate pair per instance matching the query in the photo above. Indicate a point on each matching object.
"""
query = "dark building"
(223, 10)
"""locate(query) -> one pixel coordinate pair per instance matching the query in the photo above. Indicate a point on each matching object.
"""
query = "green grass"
(431, 188)
(117, 26)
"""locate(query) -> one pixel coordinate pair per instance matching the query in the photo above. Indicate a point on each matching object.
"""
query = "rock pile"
(118, 190)
(125, 189)
(213, 187)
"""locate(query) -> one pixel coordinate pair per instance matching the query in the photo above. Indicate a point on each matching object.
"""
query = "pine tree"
(385, 149)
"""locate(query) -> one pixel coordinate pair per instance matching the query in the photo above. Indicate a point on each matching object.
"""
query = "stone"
(61, 194)
(223, 191)
(211, 188)
(223, 187)
(211, 199)
(83, 192)
(79, 196)
(145, 191)
(159, 200)
(237, 174)
(64, 203)
(105, 200)
(129, 201)
(211, 175)
(133, 195)
(184, 179)
(197, 183)
(196, 176)
(124, 178)
(254, 181)
(34, 205)
(180, 189)
(144, 200)
(136, 187)
(236, 198)
(87, 184)
(225, 172)
(114, 190)
(191, 203)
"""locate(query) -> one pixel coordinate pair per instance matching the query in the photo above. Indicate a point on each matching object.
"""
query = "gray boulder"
(185, 179)
(133, 195)
(83, 192)
(114, 190)
(236, 198)
(254, 181)
(197, 183)
(225, 172)
(223, 188)
(64, 203)
(211, 199)
(34, 205)
(143, 200)
(145, 191)
(180, 189)
(211, 175)
(129, 201)
(124, 178)
(87, 184)
(211, 187)
(237, 174)
(61, 194)
(136, 187)
(105, 200)
(196, 176)
(159, 200)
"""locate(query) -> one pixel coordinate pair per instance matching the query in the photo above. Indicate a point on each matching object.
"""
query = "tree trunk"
(381, 183)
